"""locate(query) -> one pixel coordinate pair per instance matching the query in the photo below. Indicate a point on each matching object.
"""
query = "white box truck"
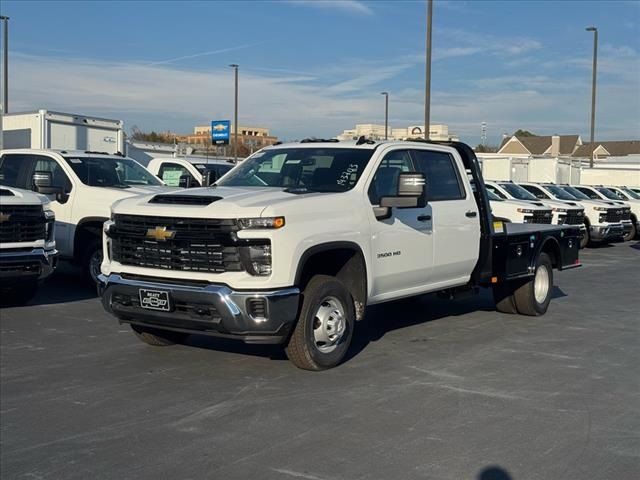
(45, 129)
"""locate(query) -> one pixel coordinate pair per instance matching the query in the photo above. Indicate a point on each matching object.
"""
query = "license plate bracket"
(159, 300)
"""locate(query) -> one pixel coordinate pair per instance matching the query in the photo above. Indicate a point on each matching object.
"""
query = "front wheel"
(585, 239)
(324, 329)
(92, 261)
(533, 297)
(631, 234)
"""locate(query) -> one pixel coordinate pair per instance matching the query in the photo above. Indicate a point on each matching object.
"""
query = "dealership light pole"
(427, 83)
(593, 91)
(386, 114)
(235, 113)
(5, 64)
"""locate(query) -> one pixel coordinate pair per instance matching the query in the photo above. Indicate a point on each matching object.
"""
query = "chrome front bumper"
(600, 233)
(26, 265)
(205, 309)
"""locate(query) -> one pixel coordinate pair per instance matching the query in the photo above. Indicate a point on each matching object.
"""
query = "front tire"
(92, 260)
(632, 233)
(157, 337)
(584, 241)
(325, 325)
(533, 297)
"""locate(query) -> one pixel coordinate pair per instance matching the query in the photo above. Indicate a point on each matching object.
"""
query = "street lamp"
(593, 91)
(235, 114)
(386, 114)
(427, 83)
(5, 65)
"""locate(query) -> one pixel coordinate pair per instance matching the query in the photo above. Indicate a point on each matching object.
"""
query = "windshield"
(631, 193)
(493, 197)
(311, 169)
(608, 193)
(111, 172)
(575, 192)
(516, 191)
(560, 193)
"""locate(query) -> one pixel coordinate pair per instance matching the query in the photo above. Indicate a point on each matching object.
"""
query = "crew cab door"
(402, 245)
(455, 215)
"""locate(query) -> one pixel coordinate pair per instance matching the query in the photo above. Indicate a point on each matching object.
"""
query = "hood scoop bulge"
(184, 200)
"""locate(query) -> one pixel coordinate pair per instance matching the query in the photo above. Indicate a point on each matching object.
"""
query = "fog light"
(257, 259)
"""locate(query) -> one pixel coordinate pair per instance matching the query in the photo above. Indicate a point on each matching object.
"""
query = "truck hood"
(217, 202)
(17, 196)
(531, 205)
(559, 204)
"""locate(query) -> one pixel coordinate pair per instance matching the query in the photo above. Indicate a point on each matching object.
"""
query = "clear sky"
(315, 68)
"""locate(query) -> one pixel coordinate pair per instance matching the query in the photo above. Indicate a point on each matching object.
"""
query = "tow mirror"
(210, 177)
(411, 192)
(187, 181)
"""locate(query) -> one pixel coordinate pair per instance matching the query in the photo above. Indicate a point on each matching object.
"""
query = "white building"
(376, 132)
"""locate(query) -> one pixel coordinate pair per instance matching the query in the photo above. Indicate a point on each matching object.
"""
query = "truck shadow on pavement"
(66, 285)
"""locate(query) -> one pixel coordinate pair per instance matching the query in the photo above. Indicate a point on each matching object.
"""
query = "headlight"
(256, 259)
(600, 209)
(49, 225)
(525, 210)
(560, 210)
(261, 223)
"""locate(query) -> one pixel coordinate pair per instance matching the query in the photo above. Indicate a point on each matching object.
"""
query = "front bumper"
(600, 233)
(264, 317)
(26, 265)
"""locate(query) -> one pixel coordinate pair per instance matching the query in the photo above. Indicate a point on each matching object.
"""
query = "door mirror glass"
(411, 192)
(42, 181)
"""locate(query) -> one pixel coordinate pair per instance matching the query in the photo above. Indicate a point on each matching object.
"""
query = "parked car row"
(603, 213)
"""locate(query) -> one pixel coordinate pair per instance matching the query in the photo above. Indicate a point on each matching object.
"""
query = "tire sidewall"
(313, 297)
(543, 262)
(92, 248)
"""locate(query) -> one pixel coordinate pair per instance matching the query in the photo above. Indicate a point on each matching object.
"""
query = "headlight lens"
(261, 223)
(560, 210)
(525, 210)
(600, 209)
(256, 259)
(49, 225)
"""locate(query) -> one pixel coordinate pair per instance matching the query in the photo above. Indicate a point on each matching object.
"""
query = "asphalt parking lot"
(432, 390)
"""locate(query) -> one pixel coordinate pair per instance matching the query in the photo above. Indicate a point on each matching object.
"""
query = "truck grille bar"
(572, 218)
(182, 244)
(541, 216)
(21, 223)
(614, 215)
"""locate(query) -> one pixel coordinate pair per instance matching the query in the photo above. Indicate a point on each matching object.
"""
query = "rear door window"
(443, 181)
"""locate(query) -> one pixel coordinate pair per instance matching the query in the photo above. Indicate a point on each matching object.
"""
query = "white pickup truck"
(564, 213)
(27, 246)
(633, 200)
(295, 242)
(607, 196)
(82, 186)
(517, 211)
(179, 172)
(603, 222)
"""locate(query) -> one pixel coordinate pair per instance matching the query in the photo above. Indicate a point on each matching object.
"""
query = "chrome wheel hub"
(329, 324)
(541, 284)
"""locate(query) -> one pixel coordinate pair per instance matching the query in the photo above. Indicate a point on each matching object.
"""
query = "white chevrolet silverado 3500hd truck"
(28, 252)
(292, 245)
(82, 186)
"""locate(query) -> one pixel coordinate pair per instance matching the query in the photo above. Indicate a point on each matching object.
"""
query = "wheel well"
(552, 249)
(344, 263)
(85, 232)
(586, 221)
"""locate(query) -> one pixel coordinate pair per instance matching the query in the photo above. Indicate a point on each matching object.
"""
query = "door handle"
(424, 218)
(471, 214)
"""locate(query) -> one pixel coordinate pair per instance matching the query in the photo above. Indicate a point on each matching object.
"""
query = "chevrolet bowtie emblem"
(160, 234)
(4, 217)
(219, 127)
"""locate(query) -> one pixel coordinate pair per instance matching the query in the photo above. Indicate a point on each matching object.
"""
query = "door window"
(589, 193)
(170, 174)
(385, 181)
(10, 170)
(443, 181)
